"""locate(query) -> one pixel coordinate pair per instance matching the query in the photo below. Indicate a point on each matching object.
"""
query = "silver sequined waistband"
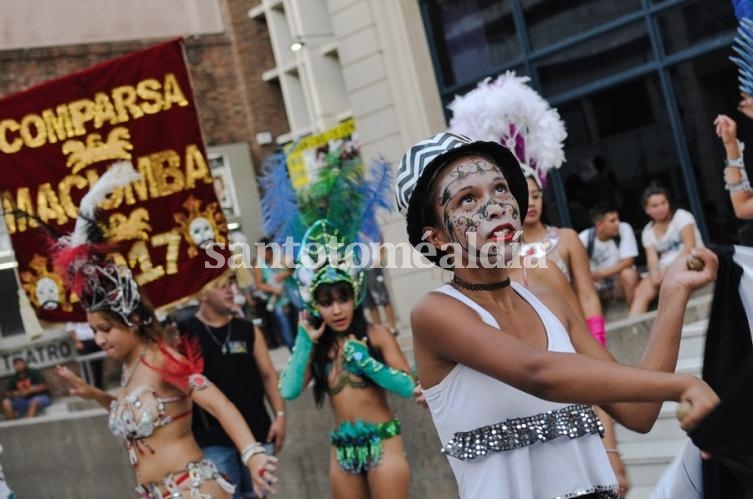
(174, 484)
(573, 421)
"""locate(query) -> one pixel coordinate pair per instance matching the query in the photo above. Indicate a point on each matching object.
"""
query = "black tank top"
(235, 373)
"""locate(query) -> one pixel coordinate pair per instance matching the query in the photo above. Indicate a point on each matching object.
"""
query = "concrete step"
(693, 340)
(666, 427)
(690, 365)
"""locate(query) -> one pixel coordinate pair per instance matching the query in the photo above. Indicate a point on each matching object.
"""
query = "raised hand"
(79, 387)
(696, 402)
(678, 274)
(726, 129)
(314, 333)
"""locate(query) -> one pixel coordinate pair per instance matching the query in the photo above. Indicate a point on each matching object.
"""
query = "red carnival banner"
(57, 138)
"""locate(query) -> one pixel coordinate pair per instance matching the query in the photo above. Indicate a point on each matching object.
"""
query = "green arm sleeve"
(291, 381)
(359, 362)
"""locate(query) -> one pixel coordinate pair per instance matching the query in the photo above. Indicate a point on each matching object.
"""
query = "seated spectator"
(83, 339)
(27, 392)
(671, 233)
(611, 249)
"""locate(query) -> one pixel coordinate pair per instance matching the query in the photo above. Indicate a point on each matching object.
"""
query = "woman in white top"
(507, 391)
(670, 233)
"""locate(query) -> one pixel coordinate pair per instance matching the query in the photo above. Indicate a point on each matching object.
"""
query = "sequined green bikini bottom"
(358, 445)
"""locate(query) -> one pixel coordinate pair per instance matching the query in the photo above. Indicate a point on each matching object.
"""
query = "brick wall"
(233, 101)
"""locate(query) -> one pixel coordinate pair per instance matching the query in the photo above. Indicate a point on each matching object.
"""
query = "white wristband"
(250, 451)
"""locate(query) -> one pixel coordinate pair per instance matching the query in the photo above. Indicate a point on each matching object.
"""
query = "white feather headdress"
(508, 111)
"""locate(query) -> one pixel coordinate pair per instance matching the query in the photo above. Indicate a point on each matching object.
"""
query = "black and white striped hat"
(420, 164)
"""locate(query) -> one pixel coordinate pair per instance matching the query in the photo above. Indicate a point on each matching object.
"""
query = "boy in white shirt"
(611, 248)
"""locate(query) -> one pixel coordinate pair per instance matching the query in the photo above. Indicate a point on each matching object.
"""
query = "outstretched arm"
(81, 388)
(297, 373)
(448, 332)
(260, 465)
(664, 341)
(358, 361)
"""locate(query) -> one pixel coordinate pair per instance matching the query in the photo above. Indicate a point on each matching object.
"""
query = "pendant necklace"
(125, 376)
(223, 345)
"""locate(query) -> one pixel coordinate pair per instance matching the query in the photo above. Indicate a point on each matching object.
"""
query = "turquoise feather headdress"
(338, 208)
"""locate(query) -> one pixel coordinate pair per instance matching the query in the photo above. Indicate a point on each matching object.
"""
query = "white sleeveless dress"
(552, 450)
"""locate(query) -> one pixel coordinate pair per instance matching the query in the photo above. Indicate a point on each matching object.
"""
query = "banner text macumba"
(122, 104)
(162, 173)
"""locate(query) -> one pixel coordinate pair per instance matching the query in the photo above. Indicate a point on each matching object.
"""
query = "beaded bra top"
(546, 247)
(345, 379)
(139, 415)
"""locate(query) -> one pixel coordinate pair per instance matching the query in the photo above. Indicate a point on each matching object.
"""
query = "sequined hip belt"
(573, 421)
(173, 484)
(358, 445)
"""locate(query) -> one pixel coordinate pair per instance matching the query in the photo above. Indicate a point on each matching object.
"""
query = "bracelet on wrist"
(280, 414)
(742, 185)
(737, 162)
(250, 451)
(734, 163)
(612, 451)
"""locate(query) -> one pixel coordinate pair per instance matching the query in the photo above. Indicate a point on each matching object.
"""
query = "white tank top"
(466, 400)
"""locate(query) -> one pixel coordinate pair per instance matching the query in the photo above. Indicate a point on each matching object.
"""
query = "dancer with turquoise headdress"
(350, 360)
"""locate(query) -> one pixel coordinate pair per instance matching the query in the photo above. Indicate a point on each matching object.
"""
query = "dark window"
(607, 89)
(550, 21)
(599, 57)
(706, 87)
(622, 109)
(613, 158)
(449, 97)
(471, 37)
(694, 22)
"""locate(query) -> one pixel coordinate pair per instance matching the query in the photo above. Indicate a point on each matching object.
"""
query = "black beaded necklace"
(480, 286)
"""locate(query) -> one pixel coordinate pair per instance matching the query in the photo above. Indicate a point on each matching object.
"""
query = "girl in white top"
(509, 376)
(669, 234)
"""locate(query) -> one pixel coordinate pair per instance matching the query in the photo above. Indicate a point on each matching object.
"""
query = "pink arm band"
(596, 326)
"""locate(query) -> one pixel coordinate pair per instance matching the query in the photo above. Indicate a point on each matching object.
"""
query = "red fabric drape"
(57, 138)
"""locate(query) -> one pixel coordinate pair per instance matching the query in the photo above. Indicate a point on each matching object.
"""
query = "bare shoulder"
(568, 235)
(164, 353)
(437, 314)
(378, 335)
(430, 305)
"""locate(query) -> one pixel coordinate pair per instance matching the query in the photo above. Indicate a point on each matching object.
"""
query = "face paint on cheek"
(458, 224)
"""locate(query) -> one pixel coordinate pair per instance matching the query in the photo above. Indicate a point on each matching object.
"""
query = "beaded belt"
(173, 484)
(573, 421)
(358, 445)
